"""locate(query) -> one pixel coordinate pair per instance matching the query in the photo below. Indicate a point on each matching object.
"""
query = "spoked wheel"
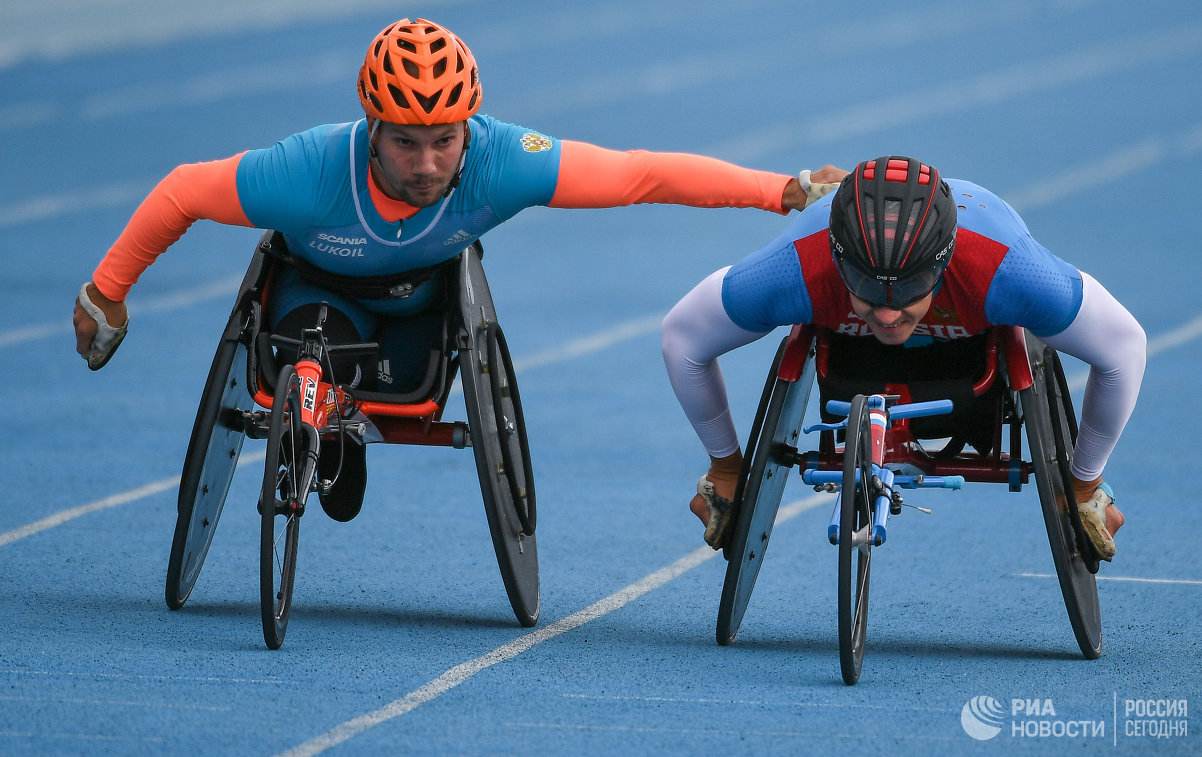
(499, 444)
(209, 465)
(281, 506)
(1051, 434)
(855, 540)
(771, 449)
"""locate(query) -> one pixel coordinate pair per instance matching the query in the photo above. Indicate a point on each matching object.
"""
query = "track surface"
(401, 639)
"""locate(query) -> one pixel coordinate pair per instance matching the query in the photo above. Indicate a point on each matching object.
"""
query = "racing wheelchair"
(297, 407)
(973, 395)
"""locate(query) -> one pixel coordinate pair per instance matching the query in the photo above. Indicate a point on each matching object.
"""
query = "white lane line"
(986, 90)
(36, 32)
(223, 288)
(1131, 579)
(1102, 170)
(63, 516)
(1040, 193)
(158, 704)
(60, 737)
(891, 707)
(223, 680)
(462, 672)
(576, 348)
(646, 729)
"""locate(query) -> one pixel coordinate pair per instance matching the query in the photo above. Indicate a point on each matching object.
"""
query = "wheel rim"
(511, 431)
(217, 435)
(771, 447)
(1050, 457)
(516, 551)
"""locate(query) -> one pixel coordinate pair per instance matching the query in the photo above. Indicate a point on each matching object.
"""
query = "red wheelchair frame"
(1022, 379)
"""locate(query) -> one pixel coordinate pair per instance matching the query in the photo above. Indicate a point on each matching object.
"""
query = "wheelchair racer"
(898, 254)
(411, 185)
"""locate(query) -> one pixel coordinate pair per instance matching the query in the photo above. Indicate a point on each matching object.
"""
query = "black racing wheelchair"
(895, 418)
(297, 406)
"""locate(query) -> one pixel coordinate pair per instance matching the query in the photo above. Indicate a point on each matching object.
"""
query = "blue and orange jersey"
(315, 187)
(998, 275)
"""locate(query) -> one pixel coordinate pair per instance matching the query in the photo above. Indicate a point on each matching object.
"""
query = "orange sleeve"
(190, 192)
(594, 177)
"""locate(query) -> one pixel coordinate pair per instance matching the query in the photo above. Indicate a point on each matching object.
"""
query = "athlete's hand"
(96, 338)
(1099, 516)
(809, 186)
(724, 475)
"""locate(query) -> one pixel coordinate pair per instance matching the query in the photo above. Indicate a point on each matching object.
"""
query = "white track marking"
(462, 672)
(63, 516)
(1131, 579)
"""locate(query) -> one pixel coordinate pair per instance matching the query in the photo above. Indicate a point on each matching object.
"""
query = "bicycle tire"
(281, 506)
(855, 540)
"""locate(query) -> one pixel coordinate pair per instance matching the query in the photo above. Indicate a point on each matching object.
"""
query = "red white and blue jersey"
(998, 275)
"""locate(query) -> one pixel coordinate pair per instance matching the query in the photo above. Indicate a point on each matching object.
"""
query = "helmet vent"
(428, 103)
(911, 226)
(419, 73)
(398, 96)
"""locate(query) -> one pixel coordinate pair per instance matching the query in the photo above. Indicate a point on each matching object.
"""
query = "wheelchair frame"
(237, 385)
(1034, 398)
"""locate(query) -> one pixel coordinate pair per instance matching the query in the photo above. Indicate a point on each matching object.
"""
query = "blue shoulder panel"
(1032, 287)
(766, 289)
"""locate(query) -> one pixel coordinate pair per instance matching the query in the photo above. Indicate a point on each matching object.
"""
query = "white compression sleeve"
(694, 333)
(1105, 335)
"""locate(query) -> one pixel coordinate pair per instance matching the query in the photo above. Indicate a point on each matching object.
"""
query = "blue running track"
(1082, 113)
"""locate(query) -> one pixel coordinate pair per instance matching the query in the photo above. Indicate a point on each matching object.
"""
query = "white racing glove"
(107, 338)
(813, 191)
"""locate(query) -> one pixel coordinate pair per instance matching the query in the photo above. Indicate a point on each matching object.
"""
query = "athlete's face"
(888, 325)
(418, 161)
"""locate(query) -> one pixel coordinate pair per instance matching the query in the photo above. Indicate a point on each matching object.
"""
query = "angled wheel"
(281, 504)
(771, 448)
(209, 464)
(1051, 434)
(499, 444)
(511, 430)
(855, 542)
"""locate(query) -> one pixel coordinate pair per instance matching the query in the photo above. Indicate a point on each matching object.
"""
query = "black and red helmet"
(892, 230)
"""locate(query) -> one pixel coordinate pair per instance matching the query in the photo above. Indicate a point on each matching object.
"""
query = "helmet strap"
(374, 158)
(467, 142)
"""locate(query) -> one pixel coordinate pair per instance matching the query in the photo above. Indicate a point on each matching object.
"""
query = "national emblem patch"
(532, 142)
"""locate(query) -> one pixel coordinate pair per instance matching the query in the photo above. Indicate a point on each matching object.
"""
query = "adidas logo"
(459, 237)
(384, 374)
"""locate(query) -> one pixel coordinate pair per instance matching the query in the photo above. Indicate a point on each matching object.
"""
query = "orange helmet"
(419, 73)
